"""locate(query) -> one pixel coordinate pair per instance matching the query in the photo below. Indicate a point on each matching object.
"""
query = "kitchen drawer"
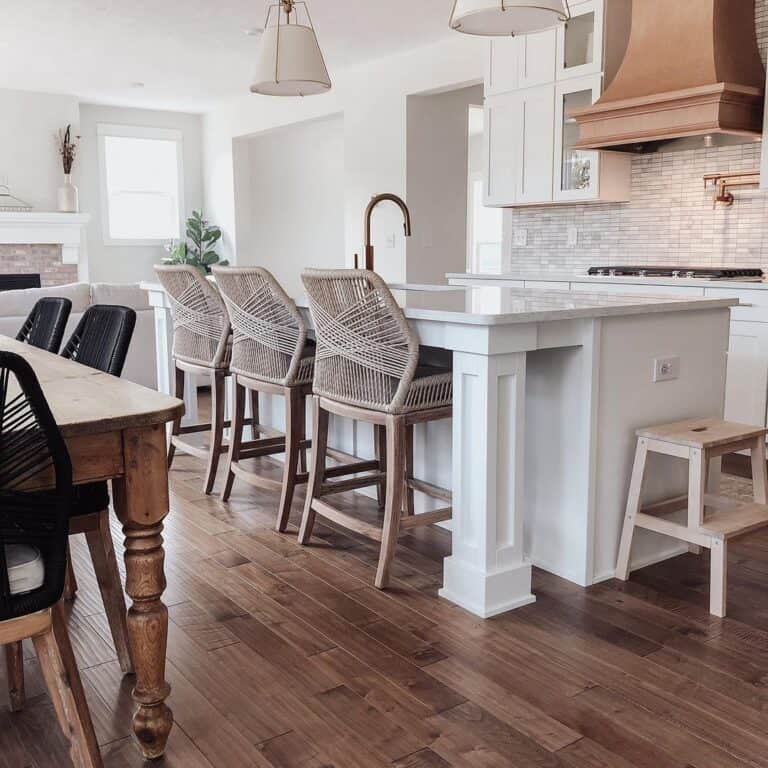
(635, 288)
(548, 285)
(757, 298)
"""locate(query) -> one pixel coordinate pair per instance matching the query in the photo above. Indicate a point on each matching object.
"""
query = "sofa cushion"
(20, 303)
(126, 295)
(26, 571)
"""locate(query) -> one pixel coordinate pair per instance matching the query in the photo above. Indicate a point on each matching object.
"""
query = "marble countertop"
(573, 277)
(496, 305)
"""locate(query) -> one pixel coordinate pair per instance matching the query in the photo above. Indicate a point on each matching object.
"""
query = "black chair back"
(44, 328)
(102, 338)
(33, 455)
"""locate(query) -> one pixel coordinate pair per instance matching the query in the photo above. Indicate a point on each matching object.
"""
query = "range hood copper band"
(719, 108)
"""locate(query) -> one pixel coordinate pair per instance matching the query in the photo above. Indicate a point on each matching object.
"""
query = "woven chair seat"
(368, 354)
(431, 388)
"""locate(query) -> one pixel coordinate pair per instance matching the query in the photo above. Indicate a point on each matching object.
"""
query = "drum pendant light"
(507, 17)
(289, 61)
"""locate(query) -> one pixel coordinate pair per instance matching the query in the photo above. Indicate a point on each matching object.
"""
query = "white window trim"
(137, 132)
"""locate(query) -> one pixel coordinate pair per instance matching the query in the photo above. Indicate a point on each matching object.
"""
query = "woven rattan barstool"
(367, 367)
(270, 354)
(201, 346)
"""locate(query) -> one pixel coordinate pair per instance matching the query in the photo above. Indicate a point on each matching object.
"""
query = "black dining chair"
(44, 327)
(100, 340)
(36, 495)
(102, 337)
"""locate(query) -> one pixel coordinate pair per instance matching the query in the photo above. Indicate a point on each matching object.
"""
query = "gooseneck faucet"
(368, 214)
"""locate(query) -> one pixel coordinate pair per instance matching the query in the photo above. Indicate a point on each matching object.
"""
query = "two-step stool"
(712, 519)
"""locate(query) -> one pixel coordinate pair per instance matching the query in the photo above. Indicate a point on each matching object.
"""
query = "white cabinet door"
(536, 142)
(537, 53)
(576, 172)
(580, 41)
(503, 64)
(746, 391)
(502, 131)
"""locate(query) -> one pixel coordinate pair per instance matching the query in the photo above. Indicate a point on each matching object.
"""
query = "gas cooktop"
(699, 273)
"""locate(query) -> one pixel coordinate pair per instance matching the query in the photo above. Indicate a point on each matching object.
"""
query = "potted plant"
(200, 250)
(67, 195)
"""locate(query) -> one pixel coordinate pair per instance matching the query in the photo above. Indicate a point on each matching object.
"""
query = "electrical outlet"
(520, 238)
(666, 369)
(390, 241)
(573, 237)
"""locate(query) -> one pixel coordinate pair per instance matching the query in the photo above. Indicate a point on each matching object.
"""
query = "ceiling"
(189, 54)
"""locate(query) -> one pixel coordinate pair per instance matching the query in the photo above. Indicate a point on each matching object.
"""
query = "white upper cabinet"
(534, 82)
(501, 74)
(502, 131)
(536, 134)
(536, 58)
(580, 41)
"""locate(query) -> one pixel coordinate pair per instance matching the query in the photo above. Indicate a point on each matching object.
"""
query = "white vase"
(68, 196)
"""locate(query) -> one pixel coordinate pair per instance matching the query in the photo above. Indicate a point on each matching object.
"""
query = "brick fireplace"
(48, 244)
(44, 260)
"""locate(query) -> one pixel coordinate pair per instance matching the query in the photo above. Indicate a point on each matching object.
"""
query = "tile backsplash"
(670, 219)
(44, 260)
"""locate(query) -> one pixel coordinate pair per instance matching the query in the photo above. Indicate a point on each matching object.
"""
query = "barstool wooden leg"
(718, 577)
(108, 576)
(217, 428)
(317, 468)
(255, 414)
(396, 449)
(407, 490)
(235, 434)
(633, 507)
(57, 663)
(178, 391)
(759, 474)
(294, 434)
(70, 580)
(380, 449)
(14, 665)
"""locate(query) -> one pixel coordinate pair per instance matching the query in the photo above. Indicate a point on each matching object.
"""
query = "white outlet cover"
(573, 237)
(666, 368)
(390, 241)
(520, 238)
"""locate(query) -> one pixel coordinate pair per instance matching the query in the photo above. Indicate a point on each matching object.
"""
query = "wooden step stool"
(698, 441)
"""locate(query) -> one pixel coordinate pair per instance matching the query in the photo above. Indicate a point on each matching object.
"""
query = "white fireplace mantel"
(43, 227)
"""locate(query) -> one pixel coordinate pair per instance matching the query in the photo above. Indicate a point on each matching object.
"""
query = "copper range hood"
(691, 69)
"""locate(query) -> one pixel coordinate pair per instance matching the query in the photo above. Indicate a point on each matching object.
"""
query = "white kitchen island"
(548, 390)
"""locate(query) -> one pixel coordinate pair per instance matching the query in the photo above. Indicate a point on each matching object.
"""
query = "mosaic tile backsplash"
(44, 260)
(670, 219)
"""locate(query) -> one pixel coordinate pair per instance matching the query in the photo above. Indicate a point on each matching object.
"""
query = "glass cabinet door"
(579, 41)
(576, 170)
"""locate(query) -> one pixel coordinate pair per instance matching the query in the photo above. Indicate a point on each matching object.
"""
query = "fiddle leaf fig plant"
(199, 250)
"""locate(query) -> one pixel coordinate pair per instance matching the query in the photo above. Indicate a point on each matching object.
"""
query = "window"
(141, 184)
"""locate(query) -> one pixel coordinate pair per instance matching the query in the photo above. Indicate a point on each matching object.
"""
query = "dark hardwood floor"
(286, 657)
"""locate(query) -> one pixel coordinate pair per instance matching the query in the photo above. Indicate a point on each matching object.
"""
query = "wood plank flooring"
(283, 656)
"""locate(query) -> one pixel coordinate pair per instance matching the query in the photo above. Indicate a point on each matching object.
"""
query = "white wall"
(290, 201)
(373, 101)
(127, 264)
(437, 178)
(29, 161)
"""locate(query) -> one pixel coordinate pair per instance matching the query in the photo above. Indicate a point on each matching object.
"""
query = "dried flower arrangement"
(67, 145)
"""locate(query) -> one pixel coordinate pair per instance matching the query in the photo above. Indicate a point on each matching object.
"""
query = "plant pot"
(68, 197)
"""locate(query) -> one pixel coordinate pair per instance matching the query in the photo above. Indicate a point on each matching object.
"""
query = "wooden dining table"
(115, 430)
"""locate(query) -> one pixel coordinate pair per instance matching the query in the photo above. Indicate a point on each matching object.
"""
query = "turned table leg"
(141, 503)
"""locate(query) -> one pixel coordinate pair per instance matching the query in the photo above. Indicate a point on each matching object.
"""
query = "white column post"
(487, 573)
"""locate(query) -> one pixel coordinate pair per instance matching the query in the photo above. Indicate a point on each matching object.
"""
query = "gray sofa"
(140, 365)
